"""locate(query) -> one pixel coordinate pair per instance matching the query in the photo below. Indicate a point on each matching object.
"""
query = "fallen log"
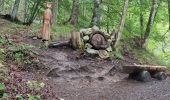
(59, 44)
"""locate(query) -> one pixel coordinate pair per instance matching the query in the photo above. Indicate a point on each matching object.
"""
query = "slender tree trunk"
(74, 15)
(169, 12)
(96, 13)
(15, 9)
(141, 18)
(108, 19)
(55, 12)
(33, 13)
(121, 27)
(150, 23)
(1, 5)
(25, 10)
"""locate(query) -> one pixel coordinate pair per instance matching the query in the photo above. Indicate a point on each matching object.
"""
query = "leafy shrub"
(23, 55)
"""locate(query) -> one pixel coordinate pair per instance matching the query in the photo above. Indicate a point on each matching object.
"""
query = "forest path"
(73, 77)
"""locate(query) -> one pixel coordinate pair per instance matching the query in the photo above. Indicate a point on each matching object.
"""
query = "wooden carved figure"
(46, 23)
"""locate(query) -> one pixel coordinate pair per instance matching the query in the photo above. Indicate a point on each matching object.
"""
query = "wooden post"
(75, 40)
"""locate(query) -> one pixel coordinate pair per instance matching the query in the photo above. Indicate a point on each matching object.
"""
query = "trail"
(76, 77)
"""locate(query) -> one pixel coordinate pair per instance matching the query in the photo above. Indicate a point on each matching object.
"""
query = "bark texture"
(121, 27)
(150, 23)
(15, 9)
(55, 12)
(96, 13)
(74, 15)
(169, 12)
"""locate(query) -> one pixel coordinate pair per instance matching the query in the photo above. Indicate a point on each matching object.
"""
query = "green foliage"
(35, 85)
(117, 55)
(21, 54)
(5, 96)
(31, 97)
(2, 88)
(19, 97)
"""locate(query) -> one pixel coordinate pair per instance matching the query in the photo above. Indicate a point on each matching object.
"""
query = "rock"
(82, 32)
(87, 31)
(91, 51)
(87, 45)
(103, 54)
(1, 65)
(95, 29)
(35, 38)
(107, 35)
(109, 49)
(109, 41)
(86, 38)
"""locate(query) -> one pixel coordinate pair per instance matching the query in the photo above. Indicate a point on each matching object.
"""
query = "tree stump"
(99, 41)
(75, 40)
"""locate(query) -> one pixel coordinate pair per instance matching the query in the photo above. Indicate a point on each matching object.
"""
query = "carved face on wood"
(49, 4)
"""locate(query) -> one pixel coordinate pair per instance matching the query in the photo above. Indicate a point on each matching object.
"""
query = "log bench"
(145, 72)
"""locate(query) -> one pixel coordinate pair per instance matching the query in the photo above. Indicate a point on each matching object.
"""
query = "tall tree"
(1, 5)
(15, 9)
(150, 23)
(55, 12)
(169, 12)
(34, 12)
(118, 34)
(141, 18)
(73, 20)
(96, 13)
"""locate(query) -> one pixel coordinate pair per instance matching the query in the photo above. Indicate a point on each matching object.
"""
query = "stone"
(103, 54)
(109, 49)
(82, 31)
(109, 41)
(88, 31)
(86, 38)
(88, 45)
(95, 29)
(91, 51)
(85, 32)
(35, 38)
(1, 65)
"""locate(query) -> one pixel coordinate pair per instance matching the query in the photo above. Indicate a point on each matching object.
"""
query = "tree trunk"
(141, 18)
(96, 13)
(121, 27)
(150, 23)
(1, 5)
(55, 12)
(74, 15)
(169, 12)
(33, 13)
(15, 9)
(25, 10)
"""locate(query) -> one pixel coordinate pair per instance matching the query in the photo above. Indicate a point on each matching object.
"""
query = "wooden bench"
(145, 72)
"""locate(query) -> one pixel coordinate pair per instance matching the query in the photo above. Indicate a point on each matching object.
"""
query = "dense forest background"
(133, 21)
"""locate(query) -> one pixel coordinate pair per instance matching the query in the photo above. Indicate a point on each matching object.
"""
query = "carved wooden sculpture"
(46, 25)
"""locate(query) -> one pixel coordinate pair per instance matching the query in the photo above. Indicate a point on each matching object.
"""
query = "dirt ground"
(73, 76)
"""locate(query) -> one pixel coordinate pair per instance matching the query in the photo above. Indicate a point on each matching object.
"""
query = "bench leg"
(143, 76)
(160, 75)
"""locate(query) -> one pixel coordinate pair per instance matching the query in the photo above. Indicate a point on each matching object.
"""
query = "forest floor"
(72, 76)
